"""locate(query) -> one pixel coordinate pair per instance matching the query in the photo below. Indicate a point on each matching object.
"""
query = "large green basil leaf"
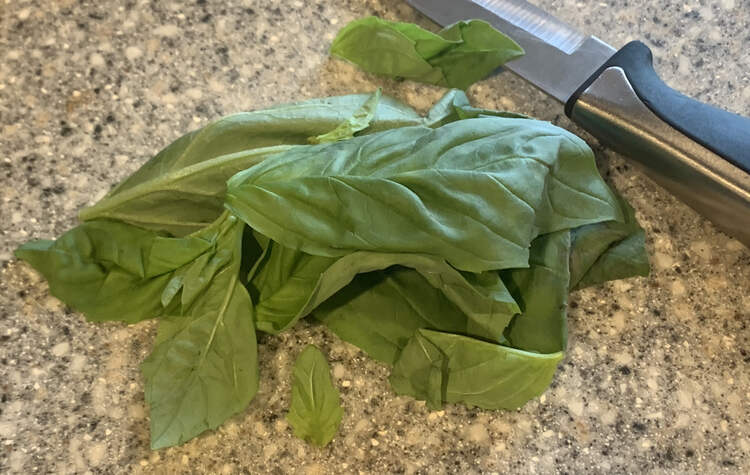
(181, 189)
(204, 365)
(475, 191)
(98, 269)
(442, 367)
(283, 283)
(379, 311)
(288, 285)
(110, 270)
(114, 271)
(542, 292)
(608, 251)
(483, 298)
(315, 411)
(457, 56)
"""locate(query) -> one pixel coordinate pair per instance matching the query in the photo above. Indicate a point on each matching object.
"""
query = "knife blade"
(696, 151)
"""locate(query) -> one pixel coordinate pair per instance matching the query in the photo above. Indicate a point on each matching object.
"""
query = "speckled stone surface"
(657, 377)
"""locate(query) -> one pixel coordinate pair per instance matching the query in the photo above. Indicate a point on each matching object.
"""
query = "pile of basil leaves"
(444, 246)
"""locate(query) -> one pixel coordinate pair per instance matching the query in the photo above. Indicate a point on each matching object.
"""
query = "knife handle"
(696, 151)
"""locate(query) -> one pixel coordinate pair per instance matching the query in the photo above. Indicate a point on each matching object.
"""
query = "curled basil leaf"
(456, 56)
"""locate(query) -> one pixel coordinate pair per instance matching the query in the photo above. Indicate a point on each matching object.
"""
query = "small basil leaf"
(315, 411)
(481, 49)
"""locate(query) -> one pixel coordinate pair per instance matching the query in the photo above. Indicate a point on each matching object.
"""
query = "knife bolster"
(611, 110)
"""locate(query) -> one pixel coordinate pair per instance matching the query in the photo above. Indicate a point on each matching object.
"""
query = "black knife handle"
(724, 133)
(696, 151)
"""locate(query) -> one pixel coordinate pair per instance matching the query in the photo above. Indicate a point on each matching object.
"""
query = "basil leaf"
(283, 284)
(195, 277)
(315, 411)
(542, 292)
(289, 284)
(480, 50)
(390, 48)
(204, 365)
(424, 291)
(454, 105)
(482, 297)
(457, 56)
(447, 109)
(116, 271)
(110, 270)
(442, 367)
(475, 191)
(608, 251)
(626, 258)
(379, 311)
(181, 189)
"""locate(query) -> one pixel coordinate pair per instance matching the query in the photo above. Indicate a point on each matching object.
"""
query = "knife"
(698, 152)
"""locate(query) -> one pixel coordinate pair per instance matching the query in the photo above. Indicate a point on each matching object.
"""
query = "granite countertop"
(656, 378)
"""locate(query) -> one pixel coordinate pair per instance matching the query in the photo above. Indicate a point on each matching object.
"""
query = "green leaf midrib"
(162, 182)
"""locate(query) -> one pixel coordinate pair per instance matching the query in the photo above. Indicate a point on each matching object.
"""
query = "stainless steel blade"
(558, 58)
(537, 22)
